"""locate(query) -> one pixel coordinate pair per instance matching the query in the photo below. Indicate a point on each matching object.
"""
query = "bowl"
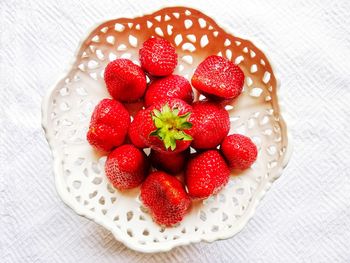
(79, 170)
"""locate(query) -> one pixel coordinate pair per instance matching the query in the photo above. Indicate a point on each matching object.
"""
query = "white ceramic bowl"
(79, 171)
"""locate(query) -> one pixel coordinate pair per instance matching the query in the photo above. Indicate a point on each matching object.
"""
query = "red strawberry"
(158, 57)
(166, 126)
(171, 163)
(211, 124)
(218, 77)
(125, 80)
(206, 174)
(173, 86)
(126, 167)
(133, 132)
(239, 151)
(109, 125)
(165, 197)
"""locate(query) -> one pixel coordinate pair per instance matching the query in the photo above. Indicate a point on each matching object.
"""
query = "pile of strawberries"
(169, 123)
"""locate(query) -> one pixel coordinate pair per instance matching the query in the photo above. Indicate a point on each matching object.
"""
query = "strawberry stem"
(170, 126)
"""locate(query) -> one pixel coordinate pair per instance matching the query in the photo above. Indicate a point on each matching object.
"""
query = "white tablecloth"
(306, 215)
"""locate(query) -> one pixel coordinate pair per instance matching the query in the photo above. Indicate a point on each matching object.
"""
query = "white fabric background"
(306, 215)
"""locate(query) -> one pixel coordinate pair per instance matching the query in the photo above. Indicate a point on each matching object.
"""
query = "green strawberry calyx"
(170, 126)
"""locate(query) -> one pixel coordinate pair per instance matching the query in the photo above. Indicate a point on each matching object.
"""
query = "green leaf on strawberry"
(170, 126)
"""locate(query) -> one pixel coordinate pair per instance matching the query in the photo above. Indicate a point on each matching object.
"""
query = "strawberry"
(125, 80)
(239, 151)
(218, 77)
(158, 57)
(211, 124)
(126, 167)
(133, 132)
(171, 163)
(206, 174)
(172, 86)
(109, 125)
(165, 197)
(166, 126)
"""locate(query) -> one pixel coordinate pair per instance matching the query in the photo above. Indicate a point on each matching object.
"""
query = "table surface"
(305, 217)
